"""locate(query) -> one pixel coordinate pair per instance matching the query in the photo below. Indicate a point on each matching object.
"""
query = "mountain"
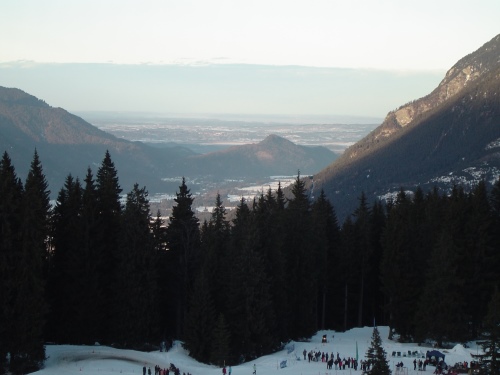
(67, 144)
(272, 156)
(451, 136)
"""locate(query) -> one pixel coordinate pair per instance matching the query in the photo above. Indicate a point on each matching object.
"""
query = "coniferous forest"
(97, 268)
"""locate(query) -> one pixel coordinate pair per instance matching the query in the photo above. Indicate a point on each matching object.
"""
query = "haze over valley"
(205, 135)
(210, 134)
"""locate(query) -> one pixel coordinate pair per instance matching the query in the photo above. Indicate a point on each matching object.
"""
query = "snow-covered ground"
(102, 360)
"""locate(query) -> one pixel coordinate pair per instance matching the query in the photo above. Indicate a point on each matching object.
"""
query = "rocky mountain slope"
(450, 136)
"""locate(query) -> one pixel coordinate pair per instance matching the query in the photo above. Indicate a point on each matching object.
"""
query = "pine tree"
(219, 353)
(215, 241)
(159, 234)
(181, 261)
(67, 276)
(400, 286)
(90, 313)
(267, 239)
(345, 271)
(11, 191)
(490, 359)
(200, 321)
(440, 313)
(376, 356)
(327, 239)
(136, 297)
(27, 350)
(495, 198)
(108, 228)
(495, 209)
(375, 298)
(302, 277)
(363, 252)
(479, 266)
(249, 310)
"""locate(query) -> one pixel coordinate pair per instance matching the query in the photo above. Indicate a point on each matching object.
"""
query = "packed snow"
(103, 360)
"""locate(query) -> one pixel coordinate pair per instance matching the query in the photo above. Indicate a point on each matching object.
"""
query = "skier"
(254, 369)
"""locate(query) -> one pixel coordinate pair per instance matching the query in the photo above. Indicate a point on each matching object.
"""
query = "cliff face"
(464, 73)
(446, 138)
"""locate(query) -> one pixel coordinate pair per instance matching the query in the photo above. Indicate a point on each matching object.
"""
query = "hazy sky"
(393, 35)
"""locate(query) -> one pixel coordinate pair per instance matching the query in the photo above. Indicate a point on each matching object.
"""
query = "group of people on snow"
(330, 359)
(172, 370)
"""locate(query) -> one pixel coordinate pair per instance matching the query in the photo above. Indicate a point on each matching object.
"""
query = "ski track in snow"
(102, 360)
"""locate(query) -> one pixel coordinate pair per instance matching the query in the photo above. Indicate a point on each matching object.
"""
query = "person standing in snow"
(254, 369)
(224, 370)
(229, 370)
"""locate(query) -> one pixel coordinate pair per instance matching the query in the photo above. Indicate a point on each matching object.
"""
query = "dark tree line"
(24, 213)
(97, 267)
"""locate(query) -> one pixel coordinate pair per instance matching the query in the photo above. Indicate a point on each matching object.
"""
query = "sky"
(413, 40)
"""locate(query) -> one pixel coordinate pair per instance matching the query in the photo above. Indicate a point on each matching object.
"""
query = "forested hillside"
(447, 137)
(96, 269)
(67, 143)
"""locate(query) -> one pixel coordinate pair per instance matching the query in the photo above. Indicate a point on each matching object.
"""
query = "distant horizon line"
(298, 119)
(26, 63)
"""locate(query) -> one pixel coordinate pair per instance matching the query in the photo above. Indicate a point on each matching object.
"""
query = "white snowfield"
(103, 360)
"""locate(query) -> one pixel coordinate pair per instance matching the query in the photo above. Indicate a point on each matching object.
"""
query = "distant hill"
(68, 144)
(272, 156)
(451, 136)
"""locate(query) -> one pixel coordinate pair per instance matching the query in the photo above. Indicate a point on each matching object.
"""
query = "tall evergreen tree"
(480, 261)
(67, 276)
(400, 286)
(302, 277)
(215, 241)
(90, 312)
(135, 289)
(183, 242)
(495, 208)
(11, 191)
(346, 275)
(440, 313)
(109, 213)
(491, 343)
(495, 198)
(249, 310)
(327, 238)
(200, 321)
(159, 234)
(374, 308)
(376, 356)
(267, 240)
(363, 253)
(220, 353)
(27, 351)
